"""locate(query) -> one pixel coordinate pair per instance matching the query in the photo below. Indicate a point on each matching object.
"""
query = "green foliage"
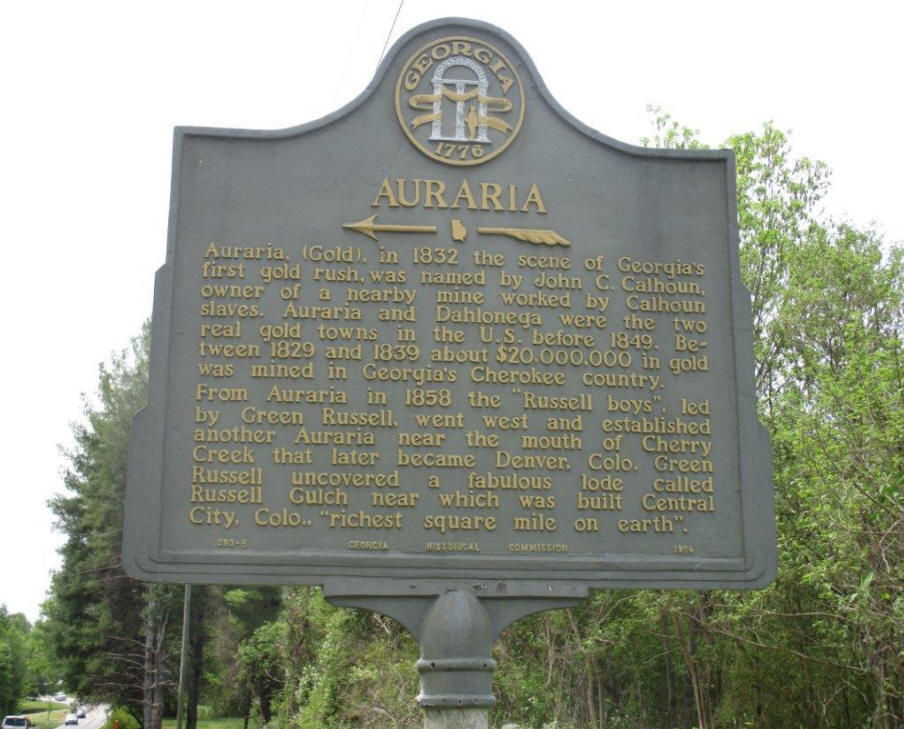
(43, 672)
(233, 616)
(818, 648)
(121, 715)
(94, 614)
(108, 632)
(778, 198)
(360, 670)
(40, 717)
(13, 655)
(605, 663)
(35, 706)
(670, 134)
(334, 653)
(837, 434)
(382, 680)
(230, 722)
(260, 665)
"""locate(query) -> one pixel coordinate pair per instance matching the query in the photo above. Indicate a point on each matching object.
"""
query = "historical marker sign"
(450, 333)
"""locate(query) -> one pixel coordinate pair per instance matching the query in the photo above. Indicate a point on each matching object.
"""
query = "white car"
(16, 722)
(71, 720)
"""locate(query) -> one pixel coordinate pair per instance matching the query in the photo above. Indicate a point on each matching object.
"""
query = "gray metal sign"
(452, 336)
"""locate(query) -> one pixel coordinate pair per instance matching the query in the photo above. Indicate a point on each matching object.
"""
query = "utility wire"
(389, 34)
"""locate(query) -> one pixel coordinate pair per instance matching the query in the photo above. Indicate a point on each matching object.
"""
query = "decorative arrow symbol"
(369, 228)
(529, 235)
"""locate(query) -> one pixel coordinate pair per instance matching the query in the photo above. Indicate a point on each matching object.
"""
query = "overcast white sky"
(92, 90)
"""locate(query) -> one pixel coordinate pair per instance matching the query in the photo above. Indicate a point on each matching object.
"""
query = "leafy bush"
(125, 719)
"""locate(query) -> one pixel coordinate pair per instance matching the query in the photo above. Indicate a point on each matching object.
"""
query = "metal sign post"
(180, 697)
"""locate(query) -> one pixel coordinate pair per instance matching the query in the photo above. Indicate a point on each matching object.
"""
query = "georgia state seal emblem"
(459, 101)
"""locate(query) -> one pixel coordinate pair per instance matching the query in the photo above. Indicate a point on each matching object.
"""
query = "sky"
(92, 91)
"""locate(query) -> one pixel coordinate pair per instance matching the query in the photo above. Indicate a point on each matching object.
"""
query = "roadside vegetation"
(39, 715)
(224, 723)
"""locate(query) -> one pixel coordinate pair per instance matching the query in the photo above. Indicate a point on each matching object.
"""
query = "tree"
(838, 425)
(827, 322)
(110, 631)
(226, 676)
(13, 656)
(43, 672)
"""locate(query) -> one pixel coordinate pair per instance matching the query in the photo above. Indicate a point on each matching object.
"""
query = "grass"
(36, 711)
(232, 722)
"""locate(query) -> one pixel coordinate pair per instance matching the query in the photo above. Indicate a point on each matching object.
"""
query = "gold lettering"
(385, 191)
(533, 196)
(405, 201)
(464, 192)
(433, 192)
(489, 193)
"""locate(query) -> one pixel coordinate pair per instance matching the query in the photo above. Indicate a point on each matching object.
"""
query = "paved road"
(97, 715)
(95, 719)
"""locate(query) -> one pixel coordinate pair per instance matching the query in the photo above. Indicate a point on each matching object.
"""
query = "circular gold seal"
(459, 101)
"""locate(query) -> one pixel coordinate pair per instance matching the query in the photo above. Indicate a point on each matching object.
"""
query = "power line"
(389, 34)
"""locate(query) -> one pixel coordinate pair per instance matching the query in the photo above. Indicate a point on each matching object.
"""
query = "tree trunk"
(147, 686)
(669, 671)
(153, 683)
(590, 675)
(196, 651)
(687, 640)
